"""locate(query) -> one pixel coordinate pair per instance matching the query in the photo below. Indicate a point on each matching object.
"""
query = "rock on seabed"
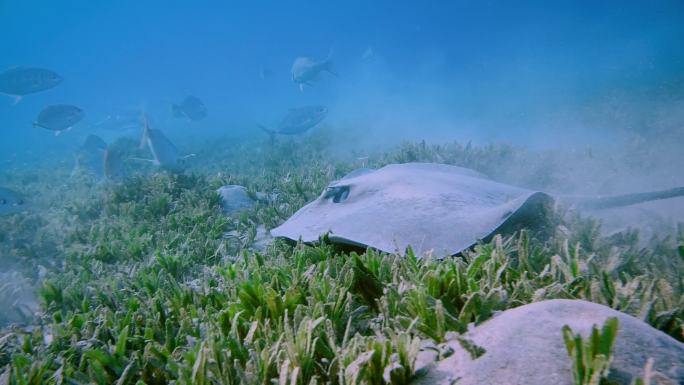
(525, 346)
(234, 199)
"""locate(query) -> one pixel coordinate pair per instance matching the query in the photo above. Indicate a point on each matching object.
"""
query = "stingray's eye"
(337, 193)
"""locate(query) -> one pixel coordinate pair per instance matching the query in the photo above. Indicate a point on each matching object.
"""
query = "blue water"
(535, 72)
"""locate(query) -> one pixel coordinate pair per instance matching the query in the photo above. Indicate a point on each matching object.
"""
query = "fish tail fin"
(329, 68)
(77, 165)
(328, 64)
(330, 55)
(110, 167)
(146, 129)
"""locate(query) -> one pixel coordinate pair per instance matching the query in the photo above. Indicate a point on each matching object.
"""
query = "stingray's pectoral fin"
(266, 129)
(598, 203)
(271, 133)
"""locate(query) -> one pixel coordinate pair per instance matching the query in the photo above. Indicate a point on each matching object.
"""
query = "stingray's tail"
(598, 203)
(271, 133)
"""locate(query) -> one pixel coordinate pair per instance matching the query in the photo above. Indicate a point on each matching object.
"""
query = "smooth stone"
(234, 199)
(525, 346)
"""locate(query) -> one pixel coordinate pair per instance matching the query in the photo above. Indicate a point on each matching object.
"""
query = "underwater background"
(120, 263)
(529, 72)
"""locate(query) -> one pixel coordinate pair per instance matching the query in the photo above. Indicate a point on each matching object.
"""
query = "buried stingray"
(433, 208)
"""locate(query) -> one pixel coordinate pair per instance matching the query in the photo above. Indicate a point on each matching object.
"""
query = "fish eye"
(337, 193)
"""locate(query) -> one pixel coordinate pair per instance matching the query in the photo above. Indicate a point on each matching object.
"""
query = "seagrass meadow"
(142, 280)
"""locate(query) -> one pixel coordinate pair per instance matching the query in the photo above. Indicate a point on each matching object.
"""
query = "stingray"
(433, 208)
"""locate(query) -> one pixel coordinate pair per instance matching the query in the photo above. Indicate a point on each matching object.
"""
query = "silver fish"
(305, 70)
(299, 120)
(21, 81)
(10, 202)
(191, 108)
(59, 117)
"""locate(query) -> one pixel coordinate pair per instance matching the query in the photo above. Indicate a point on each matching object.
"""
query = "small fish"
(191, 108)
(306, 70)
(21, 81)
(299, 120)
(10, 202)
(59, 117)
